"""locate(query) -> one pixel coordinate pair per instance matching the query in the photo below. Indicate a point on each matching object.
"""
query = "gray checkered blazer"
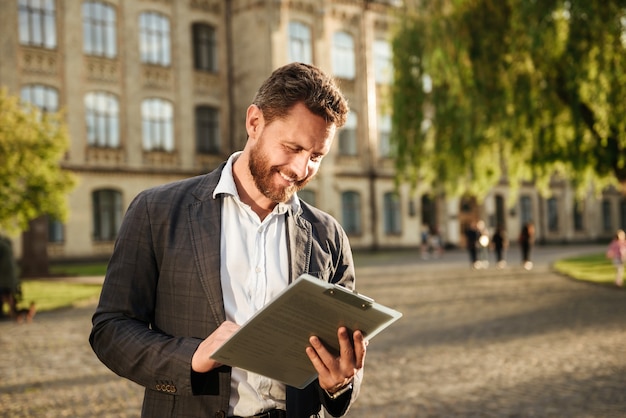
(162, 296)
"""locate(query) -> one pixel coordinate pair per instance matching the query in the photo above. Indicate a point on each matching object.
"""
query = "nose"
(300, 166)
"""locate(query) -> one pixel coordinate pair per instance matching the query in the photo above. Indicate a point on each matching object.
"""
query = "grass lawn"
(52, 294)
(592, 268)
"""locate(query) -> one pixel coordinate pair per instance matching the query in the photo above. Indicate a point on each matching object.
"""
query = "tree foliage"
(513, 90)
(32, 183)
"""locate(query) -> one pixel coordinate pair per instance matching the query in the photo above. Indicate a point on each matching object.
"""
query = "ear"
(254, 121)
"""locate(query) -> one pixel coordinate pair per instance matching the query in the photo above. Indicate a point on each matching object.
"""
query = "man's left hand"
(335, 371)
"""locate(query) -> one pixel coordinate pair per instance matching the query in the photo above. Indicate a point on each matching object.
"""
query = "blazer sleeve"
(125, 336)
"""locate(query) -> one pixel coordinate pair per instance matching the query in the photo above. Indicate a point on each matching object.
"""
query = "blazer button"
(220, 414)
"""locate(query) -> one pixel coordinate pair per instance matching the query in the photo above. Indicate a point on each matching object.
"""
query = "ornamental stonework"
(157, 77)
(103, 70)
(206, 84)
(36, 61)
(160, 159)
(105, 157)
(211, 6)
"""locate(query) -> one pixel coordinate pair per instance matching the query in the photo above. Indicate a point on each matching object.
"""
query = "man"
(195, 259)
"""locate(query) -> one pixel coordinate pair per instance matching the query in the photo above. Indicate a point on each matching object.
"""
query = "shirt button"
(258, 269)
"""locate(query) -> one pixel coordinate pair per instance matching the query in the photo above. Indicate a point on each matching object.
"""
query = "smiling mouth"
(288, 179)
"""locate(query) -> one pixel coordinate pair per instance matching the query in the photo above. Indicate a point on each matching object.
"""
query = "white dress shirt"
(254, 269)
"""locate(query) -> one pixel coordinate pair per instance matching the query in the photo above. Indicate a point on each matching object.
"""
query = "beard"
(263, 174)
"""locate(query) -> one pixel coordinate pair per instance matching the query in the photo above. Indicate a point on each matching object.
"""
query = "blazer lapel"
(299, 245)
(205, 216)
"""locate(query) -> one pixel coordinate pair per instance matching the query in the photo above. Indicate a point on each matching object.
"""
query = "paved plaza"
(471, 343)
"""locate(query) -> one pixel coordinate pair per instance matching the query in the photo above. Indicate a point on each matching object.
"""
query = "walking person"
(471, 243)
(526, 241)
(195, 259)
(500, 244)
(617, 253)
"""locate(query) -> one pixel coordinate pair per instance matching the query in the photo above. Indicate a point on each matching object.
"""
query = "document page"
(272, 343)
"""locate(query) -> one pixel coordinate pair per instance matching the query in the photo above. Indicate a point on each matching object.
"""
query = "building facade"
(156, 90)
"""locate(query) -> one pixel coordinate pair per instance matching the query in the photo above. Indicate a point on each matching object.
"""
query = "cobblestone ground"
(486, 343)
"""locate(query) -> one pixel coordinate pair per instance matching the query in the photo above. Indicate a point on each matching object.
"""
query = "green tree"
(514, 90)
(32, 182)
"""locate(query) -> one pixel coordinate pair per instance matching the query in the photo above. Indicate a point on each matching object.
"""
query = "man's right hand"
(201, 362)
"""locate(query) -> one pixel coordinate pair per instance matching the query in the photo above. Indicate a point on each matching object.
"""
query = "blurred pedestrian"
(435, 243)
(424, 235)
(9, 282)
(500, 244)
(617, 253)
(483, 245)
(471, 242)
(526, 241)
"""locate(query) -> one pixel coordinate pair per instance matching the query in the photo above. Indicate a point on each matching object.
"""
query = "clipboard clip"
(352, 298)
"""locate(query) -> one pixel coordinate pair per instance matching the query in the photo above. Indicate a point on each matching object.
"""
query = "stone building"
(156, 90)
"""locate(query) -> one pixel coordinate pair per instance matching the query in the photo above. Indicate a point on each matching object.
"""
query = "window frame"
(37, 23)
(102, 118)
(204, 42)
(208, 139)
(99, 29)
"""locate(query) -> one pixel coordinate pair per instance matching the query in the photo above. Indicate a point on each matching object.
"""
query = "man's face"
(288, 153)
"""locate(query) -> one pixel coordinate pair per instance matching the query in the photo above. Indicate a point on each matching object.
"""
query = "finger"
(360, 349)
(346, 349)
(313, 354)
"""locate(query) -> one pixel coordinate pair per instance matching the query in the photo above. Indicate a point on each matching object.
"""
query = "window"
(343, 55)
(351, 212)
(553, 214)
(207, 130)
(384, 136)
(308, 196)
(526, 209)
(392, 214)
(56, 232)
(102, 114)
(429, 211)
(44, 97)
(577, 213)
(99, 29)
(300, 43)
(204, 48)
(383, 68)
(154, 38)
(157, 118)
(607, 220)
(107, 214)
(37, 23)
(347, 136)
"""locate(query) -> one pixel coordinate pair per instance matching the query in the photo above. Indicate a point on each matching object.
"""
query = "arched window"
(207, 130)
(102, 119)
(44, 97)
(343, 55)
(107, 214)
(393, 217)
(99, 29)
(157, 117)
(347, 136)
(351, 212)
(204, 47)
(300, 43)
(37, 23)
(383, 67)
(154, 38)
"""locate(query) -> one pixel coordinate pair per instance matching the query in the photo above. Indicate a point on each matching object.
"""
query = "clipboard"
(272, 342)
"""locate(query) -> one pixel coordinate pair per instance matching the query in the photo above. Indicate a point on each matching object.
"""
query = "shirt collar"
(226, 185)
